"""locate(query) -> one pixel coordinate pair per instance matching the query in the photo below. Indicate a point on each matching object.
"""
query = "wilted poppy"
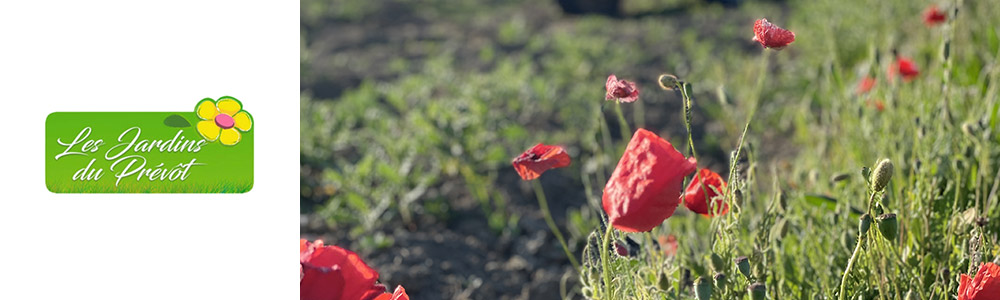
(669, 244)
(771, 36)
(399, 294)
(865, 85)
(905, 67)
(934, 16)
(540, 158)
(985, 286)
(331, 272)
(645, 187)
(706, 186)
(620, 90)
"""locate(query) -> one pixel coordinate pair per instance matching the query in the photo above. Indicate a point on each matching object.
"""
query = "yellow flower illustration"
(222, 120)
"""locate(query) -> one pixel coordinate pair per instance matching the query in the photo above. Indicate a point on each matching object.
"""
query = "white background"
(138, 56)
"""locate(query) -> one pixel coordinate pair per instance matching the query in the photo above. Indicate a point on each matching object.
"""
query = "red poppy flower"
(877, 104)
(331, 272)
(865, 85)
(985, 286)
(645, 187)
(700, 191)
(771, 36)
(620, 90)
(905, 67)
(540, 158)
(399, 294)
(669, 244)
(934, 16)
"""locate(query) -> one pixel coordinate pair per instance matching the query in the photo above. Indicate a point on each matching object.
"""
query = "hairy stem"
(605, 269)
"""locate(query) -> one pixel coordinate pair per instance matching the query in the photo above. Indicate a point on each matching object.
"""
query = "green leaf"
(829, 203)
(177, 121)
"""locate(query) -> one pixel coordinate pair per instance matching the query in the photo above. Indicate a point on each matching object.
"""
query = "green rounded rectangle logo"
(205, 150)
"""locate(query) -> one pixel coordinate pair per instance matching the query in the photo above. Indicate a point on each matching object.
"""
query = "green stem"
(753, 110)
(850, 263)
(544, 205)
(622, 124)
(857, 249)
(606, 138)
(687, 117)
(605, 269)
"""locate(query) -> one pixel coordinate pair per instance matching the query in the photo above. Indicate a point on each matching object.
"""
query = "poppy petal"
(771, 36)
(706, 186)
(645, 187)
(538, 159)
(620, 90)
(330, 272)
(399, 294)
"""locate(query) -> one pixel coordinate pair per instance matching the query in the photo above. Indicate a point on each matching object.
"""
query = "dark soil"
(461, 258)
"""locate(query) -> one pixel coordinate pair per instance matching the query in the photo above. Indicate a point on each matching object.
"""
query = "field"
(412, 111)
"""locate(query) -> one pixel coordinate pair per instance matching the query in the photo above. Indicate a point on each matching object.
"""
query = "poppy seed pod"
(888, 226)
(720, 280)
(866, 223)
(663, 282)
(882, 174)
(703, 289)
(669, 82)
(757, 291)
(718, 264)
(743, 264)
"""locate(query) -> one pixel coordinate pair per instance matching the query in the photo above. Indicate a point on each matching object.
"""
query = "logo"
(207, 150)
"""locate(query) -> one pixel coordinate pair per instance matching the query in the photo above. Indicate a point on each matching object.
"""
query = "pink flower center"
(225, 121)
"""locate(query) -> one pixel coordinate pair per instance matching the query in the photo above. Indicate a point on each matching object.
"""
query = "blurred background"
(411, 112)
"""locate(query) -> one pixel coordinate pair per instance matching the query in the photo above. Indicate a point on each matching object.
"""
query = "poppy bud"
(718, 264)
(743, 264)
(882, 174)
(703, 289)
(663, 282)
(757, 291)
(840, 177)
(720, 280)
(888, 226)
(866, 223)
(669, 82)
(621, 250)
